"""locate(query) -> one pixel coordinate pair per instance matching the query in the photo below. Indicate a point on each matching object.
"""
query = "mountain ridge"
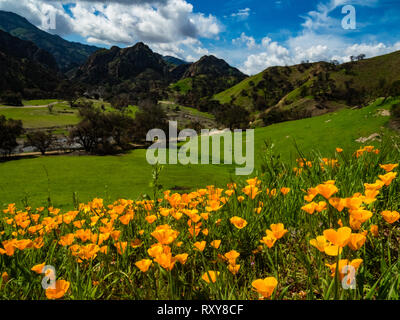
(68, 54)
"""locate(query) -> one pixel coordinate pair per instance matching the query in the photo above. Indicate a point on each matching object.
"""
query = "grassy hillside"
(129, 175)
(310, 89)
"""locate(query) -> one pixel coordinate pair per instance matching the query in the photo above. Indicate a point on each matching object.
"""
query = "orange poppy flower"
(388, 178)
(210, 276)
(390, 216)
(388, 167)
(144, 264)
(200, 245)
(182, 258)
(38, 268)
(357, 240)
(215, 243)
(285, 191)
(374, 230)
(278, 230)
(269, 240)
(265, 287)
(62, 287)
(238, 222)
(234, 269)
(340, 237)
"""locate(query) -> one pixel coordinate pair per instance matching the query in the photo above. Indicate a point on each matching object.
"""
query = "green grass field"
(129, 175)
(189, 110)
(39, 102)
(33, 118)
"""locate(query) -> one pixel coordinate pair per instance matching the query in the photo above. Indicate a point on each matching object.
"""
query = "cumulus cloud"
(249, 41)
(271, 54)
(310, 47)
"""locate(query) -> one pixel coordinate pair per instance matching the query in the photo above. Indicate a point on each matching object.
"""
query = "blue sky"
(249, 34)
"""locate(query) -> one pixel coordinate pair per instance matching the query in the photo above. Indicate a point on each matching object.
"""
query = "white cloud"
(272, 54)
(249, 41)
(242, 14)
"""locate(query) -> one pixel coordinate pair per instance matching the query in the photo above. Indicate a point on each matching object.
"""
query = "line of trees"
(102, 132)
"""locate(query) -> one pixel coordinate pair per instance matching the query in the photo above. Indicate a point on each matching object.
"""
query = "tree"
(50, 107)
(121, 128)
(41, 140)
(233, 117)
(150, 116)
(11, 99)
(100, 132)
(10, 130)
(121, 102)
(361, 57)
(273, 116)
(395, 89)
(396, 111)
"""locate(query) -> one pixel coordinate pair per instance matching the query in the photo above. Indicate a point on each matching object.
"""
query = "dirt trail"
(30, 107)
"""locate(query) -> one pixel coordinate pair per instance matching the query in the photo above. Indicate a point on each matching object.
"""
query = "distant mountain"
(28, 70)
(68, 54)
(203, 79)
(136, 71)
(211, 66)
(174, 61)
(115, 65)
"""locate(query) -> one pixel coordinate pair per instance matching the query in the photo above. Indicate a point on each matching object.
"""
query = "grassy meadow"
(62, 115)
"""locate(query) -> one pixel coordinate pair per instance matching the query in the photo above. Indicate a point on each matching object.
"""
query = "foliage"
(10, 130)
(41, 140)
(232, 116)
(100, 132)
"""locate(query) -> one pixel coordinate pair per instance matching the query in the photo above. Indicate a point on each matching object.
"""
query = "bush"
(273, 116)
(396, 111)
(12, 99)
(233, 117)
(150, 116)
(10, 130)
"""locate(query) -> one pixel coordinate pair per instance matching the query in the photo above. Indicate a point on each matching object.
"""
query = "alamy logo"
(233, 147)
(49, 279)
(349, 21)
(49, 20)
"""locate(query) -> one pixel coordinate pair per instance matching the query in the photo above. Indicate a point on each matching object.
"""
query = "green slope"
(312, 89)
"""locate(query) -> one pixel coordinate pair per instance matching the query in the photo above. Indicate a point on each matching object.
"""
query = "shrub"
(12, 99)
(396, 111)
(10, 130)
(232, 116)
